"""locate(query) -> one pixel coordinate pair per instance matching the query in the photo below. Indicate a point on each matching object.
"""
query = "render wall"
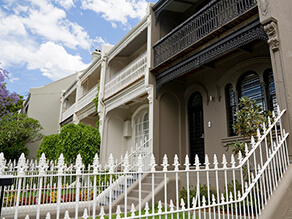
(171, 118)
(44, 106)
(276, 16)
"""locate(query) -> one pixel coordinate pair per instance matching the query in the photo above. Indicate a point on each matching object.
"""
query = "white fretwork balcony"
(67, 113)
(87, 98)
(127, 76)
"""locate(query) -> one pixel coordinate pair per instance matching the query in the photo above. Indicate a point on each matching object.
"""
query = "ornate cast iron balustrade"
(131, 73)
(208, 19)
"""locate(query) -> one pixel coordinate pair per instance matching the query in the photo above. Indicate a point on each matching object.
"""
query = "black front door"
(196, 127)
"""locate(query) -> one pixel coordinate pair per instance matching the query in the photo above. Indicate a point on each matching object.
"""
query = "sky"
(44, 40)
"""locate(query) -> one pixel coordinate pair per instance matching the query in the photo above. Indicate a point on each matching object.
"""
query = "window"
(249, 85)
(270, 90)
(231, 108)
(141, 129)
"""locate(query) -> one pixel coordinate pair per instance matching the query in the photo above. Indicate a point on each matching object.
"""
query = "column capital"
(271, 29)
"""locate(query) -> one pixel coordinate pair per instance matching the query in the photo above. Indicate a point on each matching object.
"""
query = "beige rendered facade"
(212, 52)
(43, 104)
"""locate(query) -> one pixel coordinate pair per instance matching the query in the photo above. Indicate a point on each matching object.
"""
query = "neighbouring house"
(43, 104)
(77, 100)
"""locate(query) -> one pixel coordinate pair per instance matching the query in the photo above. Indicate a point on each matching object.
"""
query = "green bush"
(15, 131)
(72, 140)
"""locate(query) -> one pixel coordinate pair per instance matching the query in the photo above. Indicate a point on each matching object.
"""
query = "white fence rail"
(68, 112)
(131, 73)
(238, 188)
(87, 98)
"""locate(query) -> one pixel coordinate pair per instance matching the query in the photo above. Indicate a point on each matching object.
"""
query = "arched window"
(141, 128)
(270, 90)
(231, 107)
(251, 87)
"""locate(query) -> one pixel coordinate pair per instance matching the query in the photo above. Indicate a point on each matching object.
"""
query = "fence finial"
(2, 163)
(96, 164)
(252, 142)
(197, 162)
(159, 207)
(61, 164)
(133, 210)
(48, 215)
(222, 198)
(187, 162)
(165, 162)
(224, 161)
(258, 134)
(152, 163)
(101, 214)
(126, 163)
(231, 197)
(176, 163)
(67, 215)
(213, 199)
(240, 157)
(246, 149)
(146, 209)
(203, 201)
(118, 212)
(79, 165)
(85, 214)
(215, 162)
(207, 163)
(171, 205)
(111, 163)
(182, 204)
(21, 165)
(43, 166)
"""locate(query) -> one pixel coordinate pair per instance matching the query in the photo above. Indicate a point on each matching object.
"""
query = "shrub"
(72, 140)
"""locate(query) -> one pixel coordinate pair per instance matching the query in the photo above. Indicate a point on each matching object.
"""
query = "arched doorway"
(196, 127)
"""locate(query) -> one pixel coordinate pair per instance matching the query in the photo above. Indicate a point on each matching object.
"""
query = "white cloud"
(52, 59)
(117, 10)
(67, 4)
(36, 34)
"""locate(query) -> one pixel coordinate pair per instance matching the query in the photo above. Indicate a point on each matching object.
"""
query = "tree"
(72, 140)
(9, 102)
(15, 131)
(249, 118)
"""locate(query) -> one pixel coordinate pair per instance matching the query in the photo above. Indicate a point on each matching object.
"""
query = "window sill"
(228, 140)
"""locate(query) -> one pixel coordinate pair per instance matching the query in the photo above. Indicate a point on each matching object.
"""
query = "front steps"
(146, 192)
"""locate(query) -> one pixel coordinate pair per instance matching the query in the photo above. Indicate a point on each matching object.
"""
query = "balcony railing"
(87, 98)
(68, 112)
(213, 16)
(131, 73)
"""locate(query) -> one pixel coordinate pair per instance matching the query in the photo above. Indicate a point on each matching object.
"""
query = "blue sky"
(45, 40)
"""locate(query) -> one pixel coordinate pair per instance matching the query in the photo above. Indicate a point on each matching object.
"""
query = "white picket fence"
(239, 188)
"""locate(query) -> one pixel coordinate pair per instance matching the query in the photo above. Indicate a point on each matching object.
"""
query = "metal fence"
(239, 187)
(215, 14)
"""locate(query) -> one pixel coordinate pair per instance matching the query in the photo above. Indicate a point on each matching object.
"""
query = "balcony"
(87, 98)
(127, 76)
(68, 112)
(207, 24)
